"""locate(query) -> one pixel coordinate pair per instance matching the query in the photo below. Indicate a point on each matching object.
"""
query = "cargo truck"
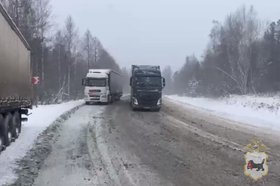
(102, 86)
(146, 87)
(15, 80)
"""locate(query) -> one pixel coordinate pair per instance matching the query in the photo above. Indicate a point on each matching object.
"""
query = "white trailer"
(102, 86)
(15, 80)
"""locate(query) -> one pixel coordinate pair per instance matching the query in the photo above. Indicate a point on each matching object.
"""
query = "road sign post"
(35, 81)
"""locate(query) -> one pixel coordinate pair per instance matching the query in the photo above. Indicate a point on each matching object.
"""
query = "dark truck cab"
(146, 87)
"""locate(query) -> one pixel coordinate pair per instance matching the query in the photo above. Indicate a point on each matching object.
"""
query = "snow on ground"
(260, 111)
(41, 118)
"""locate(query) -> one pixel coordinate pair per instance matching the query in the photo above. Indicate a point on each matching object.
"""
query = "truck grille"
(94, 90)
(94, 97)
(147, 103)
(150, 99)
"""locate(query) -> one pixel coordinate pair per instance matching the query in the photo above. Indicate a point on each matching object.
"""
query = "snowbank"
(253, 110)
(41, 118)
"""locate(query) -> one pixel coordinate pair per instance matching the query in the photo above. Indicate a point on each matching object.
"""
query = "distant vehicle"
(146, 87)
(15, 80)
(102, 86)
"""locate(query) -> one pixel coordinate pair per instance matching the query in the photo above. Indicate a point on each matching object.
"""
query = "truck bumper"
(96, 99)
(154, 105)
(145, 107)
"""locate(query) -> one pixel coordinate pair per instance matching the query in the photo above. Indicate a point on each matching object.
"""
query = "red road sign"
(35, 80)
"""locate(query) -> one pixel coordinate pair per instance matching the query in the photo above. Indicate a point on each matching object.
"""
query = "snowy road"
(112, 145)
(70, 162)
(40, 119)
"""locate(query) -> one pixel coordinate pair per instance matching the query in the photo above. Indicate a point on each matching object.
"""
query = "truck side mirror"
(130, 81)
(163, 82)
(84, 81)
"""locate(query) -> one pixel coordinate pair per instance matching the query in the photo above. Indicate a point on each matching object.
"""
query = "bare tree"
(42, 14)
(89, 48)
(59, 50)
(232, 49)
(98, 49)
(70, 38)
(241, 31)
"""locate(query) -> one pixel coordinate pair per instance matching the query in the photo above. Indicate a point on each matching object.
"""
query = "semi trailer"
(15, 80)
(102, 86)
(146, 87)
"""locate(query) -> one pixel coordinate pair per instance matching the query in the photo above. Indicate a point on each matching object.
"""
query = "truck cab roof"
(146, 70)
(98, 73)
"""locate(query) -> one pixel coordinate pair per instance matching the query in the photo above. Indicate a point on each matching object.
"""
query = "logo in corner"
(256, 160)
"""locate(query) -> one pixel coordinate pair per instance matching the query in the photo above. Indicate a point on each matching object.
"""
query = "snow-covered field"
(41, 118)
(260, 111)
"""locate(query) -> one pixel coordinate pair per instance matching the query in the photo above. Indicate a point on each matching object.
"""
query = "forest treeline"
(61, 58)
(242, 57)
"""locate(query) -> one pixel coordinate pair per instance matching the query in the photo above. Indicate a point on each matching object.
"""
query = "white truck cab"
(97, 87)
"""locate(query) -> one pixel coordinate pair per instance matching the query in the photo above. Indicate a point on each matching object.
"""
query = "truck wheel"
(7, 130)
(157, 110)
(117, 98)
(133, 108)
(2, 147)
(109, 100)
(16, 125)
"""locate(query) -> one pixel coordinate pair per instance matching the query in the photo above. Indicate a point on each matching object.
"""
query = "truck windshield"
(93, 82)
(144, 81)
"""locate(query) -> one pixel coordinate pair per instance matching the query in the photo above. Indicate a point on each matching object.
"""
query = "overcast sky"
(158, 32)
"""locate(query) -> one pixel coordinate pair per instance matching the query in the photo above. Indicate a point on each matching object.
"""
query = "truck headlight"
(159, 101)
(103, 95)
(135, 102)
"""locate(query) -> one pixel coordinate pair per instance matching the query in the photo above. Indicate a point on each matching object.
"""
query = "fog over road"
(112, 145)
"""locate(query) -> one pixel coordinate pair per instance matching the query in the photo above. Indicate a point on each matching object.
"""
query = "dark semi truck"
(146, 87)
(15, 80)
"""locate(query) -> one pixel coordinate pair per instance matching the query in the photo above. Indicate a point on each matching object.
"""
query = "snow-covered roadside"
(257, 111)
(41, 118)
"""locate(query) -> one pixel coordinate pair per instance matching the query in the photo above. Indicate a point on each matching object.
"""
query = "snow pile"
(269, 104)
(260, 111)
(41, 118)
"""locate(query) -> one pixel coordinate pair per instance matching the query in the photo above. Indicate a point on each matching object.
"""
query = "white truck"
(102, 86)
